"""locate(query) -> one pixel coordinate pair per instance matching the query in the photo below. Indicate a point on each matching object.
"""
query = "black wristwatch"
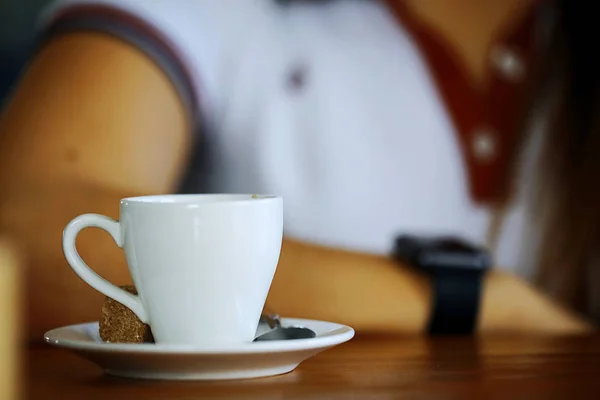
(456, 268)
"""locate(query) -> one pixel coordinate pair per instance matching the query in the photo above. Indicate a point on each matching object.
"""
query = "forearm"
(375, 294)
(365, 291)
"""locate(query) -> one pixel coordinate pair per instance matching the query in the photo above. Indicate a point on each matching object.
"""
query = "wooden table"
(365, 368)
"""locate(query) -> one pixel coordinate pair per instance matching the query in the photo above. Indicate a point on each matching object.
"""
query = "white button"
(507, 62)
(484, 145)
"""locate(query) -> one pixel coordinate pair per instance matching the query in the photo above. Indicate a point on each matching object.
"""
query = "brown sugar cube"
(120, 325)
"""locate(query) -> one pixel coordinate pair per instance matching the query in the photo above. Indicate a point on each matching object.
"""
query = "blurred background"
(17, 19)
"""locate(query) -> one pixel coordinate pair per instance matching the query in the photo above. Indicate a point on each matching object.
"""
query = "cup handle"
(113, 227)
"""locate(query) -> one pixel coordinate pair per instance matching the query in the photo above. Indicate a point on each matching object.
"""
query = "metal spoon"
(279, 332)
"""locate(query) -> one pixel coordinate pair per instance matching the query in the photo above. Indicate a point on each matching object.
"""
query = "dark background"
(17, 33)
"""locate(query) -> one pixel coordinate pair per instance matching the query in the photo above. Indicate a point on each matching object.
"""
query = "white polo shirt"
(328, 104)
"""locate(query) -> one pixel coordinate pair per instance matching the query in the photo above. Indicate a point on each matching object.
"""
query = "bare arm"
(92, 121)
(374, 294)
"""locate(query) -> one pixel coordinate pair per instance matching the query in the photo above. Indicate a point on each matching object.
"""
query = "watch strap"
(456, 299)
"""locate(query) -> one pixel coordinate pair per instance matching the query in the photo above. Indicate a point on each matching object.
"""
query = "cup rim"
(198, 199)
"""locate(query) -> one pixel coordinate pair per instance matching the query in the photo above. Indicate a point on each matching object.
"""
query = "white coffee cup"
(202, 264)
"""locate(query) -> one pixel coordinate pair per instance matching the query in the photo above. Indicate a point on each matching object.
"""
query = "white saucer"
(155, 361)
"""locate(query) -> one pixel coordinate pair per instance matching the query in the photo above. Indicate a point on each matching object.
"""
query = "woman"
(368, 117)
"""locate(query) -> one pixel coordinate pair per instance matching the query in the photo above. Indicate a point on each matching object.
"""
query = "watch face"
(439, 253)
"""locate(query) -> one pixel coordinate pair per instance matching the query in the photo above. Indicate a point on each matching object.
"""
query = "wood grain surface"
(364, 368)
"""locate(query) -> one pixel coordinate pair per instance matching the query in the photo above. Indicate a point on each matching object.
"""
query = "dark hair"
(569, 171)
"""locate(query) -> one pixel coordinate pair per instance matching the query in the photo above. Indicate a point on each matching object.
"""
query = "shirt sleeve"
(185, 38)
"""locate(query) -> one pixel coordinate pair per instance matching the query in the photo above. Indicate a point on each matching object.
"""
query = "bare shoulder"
(88, 98)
